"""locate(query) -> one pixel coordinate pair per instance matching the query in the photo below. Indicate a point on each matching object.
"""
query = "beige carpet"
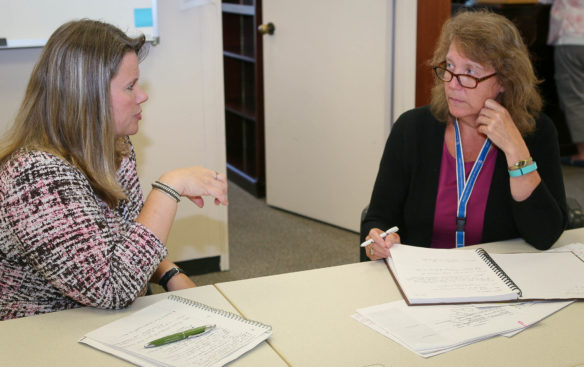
(265, 241)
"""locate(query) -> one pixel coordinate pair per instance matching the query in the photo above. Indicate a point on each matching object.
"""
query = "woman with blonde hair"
(481, 162)
(74, 226)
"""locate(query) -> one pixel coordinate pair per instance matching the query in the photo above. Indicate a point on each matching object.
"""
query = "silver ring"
(371, 250)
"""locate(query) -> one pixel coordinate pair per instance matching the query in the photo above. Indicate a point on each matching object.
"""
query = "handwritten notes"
(437, 275)
(127, 337)
(431, 330)
(434, 276)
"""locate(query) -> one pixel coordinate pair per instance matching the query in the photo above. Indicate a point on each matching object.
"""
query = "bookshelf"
(243, 78)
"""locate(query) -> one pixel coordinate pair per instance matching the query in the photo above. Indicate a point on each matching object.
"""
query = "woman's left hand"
(496, 123)
(180, 281)
(196, 182)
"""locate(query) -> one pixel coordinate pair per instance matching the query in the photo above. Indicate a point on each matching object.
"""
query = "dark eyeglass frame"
(437, 68)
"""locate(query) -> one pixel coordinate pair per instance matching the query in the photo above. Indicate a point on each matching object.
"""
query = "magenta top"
(444, 231)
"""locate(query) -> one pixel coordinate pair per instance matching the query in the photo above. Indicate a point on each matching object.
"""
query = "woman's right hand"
(379, 249)
(196, 182)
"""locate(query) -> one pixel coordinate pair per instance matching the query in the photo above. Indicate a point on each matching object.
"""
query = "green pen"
(190, 333)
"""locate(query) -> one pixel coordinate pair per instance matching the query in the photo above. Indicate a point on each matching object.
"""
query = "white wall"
(404, 57)
(183, 122)
(15, 68)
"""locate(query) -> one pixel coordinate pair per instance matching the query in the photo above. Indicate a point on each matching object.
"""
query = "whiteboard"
(30, 23)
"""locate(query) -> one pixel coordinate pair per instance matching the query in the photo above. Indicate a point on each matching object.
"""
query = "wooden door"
(431, 16)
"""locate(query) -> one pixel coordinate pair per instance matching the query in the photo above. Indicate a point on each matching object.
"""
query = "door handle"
(264, 29)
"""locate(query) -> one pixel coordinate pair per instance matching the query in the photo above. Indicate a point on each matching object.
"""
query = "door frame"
(431, 16)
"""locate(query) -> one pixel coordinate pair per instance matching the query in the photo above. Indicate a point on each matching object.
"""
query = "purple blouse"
(444, 231)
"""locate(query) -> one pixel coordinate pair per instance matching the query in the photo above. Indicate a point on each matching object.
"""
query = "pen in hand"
(198, 331)
(383, 235)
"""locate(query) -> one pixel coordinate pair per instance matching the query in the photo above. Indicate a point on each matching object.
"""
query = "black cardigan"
(407, 184)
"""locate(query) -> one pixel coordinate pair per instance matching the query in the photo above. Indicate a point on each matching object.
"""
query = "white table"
(310, 315)
(52, 339)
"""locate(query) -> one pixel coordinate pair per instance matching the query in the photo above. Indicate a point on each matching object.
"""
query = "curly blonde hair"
(491, 39)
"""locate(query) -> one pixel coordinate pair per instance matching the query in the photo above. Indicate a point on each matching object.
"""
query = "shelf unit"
(243, 77)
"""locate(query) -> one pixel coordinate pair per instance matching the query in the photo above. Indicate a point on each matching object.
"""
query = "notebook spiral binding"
(226, 314)
(497, 269)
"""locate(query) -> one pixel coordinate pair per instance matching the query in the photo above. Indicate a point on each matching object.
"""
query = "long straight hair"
(66, 109)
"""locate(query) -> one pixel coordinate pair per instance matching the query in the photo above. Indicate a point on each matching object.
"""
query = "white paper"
(430, 276)
(576, 248)
(440, 275)
(431, 330)
(540, 275)
(187, 4)
(126, 337)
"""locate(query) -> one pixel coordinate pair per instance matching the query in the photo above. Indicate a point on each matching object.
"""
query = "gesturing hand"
(197, 182)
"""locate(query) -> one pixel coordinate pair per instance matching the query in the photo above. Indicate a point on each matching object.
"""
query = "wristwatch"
(520, 164)
(168, 275)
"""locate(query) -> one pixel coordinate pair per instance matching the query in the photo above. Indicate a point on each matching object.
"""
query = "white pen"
(383, 235)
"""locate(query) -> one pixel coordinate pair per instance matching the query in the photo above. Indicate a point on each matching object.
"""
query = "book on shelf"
(231, 336)
(445, 276)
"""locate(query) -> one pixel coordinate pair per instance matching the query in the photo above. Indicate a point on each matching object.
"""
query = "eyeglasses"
(465, 80)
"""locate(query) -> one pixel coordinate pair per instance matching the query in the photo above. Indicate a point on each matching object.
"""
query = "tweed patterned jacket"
(61, 246)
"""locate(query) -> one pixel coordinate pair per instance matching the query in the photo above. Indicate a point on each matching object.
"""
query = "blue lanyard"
(464, 187)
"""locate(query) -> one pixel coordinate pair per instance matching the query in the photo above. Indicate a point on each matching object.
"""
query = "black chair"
(575, 215)
(362, 254)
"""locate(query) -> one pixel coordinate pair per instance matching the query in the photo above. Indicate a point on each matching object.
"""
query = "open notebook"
(126, 338)
(438, 276)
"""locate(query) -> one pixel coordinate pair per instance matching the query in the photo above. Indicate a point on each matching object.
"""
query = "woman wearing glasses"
(480, 163)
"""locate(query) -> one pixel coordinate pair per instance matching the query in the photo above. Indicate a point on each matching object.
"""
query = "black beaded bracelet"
(167, 190)
(168, 275)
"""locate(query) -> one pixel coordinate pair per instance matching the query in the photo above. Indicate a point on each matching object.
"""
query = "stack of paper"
(428, 274)
(431, 330)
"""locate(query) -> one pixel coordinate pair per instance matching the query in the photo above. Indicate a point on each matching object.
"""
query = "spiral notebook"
(232, 336)
(440, 276)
